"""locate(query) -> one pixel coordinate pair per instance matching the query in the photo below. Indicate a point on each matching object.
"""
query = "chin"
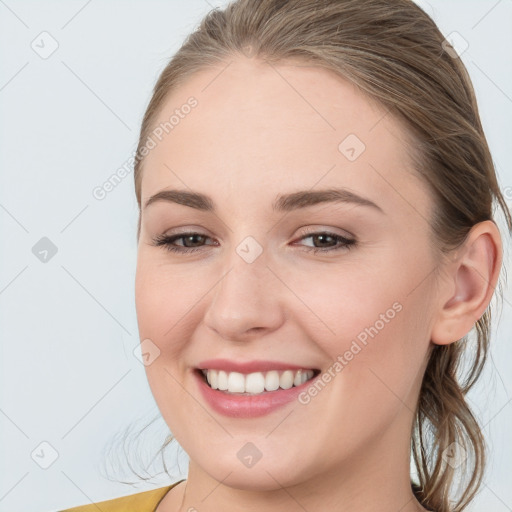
(235, 469)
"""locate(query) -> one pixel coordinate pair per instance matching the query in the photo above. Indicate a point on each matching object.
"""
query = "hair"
(395, 54)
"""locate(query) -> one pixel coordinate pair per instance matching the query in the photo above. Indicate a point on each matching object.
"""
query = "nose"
(247, 302)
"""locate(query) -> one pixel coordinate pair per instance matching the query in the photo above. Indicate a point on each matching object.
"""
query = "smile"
(251, 388)
(256, 382)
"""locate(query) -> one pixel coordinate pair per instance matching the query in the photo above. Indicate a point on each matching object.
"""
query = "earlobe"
(470, 284)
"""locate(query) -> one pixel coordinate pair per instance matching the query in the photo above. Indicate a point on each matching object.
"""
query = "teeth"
(222, 382)
(271, 381)
(236, 382)
(286, 379)
(255, 383)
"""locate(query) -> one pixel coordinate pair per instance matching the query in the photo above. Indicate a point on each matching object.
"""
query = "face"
(264, 281)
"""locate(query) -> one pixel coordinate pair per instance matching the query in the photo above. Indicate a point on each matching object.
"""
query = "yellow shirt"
(146, 501)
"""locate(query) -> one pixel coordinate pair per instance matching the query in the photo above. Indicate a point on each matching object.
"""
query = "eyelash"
(166, 241)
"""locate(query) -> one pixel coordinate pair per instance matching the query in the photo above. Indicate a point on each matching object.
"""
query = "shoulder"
(146, 501)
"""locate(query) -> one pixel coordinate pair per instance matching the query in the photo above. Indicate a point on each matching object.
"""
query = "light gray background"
(69, 376)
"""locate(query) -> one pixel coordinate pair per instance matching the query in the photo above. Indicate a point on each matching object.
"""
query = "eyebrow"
(283, 203)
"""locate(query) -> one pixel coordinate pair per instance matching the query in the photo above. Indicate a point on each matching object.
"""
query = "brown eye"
(324, 242)
(192, 242)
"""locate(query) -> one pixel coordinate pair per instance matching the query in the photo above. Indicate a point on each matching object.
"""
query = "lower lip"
(248, 406)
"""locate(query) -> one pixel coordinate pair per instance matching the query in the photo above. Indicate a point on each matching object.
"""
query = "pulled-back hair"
(393, 52)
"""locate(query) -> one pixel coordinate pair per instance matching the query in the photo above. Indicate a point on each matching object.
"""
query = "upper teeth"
(234, 382)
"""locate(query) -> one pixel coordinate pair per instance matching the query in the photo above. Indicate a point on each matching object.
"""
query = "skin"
(260, 130)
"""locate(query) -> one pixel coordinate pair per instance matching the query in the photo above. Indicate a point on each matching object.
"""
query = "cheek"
(166, 300)
(374, 373)
(372, 323)
(339, 303)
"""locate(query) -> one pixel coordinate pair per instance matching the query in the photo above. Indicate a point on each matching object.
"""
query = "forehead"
(259, 129)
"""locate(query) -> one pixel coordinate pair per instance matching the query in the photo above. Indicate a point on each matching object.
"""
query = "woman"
(316, 251)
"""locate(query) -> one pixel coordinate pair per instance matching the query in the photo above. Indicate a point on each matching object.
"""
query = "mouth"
(255, 383)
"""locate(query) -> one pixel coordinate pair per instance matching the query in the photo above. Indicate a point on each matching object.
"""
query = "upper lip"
(254, 365)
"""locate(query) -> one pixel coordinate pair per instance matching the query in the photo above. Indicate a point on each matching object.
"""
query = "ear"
(469, 283)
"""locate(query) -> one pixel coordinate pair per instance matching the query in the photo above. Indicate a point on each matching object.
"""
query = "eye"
(326, 240)
(192, 238)
(193, 242)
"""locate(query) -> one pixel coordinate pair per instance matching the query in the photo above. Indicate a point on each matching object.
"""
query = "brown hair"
(394, 52)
